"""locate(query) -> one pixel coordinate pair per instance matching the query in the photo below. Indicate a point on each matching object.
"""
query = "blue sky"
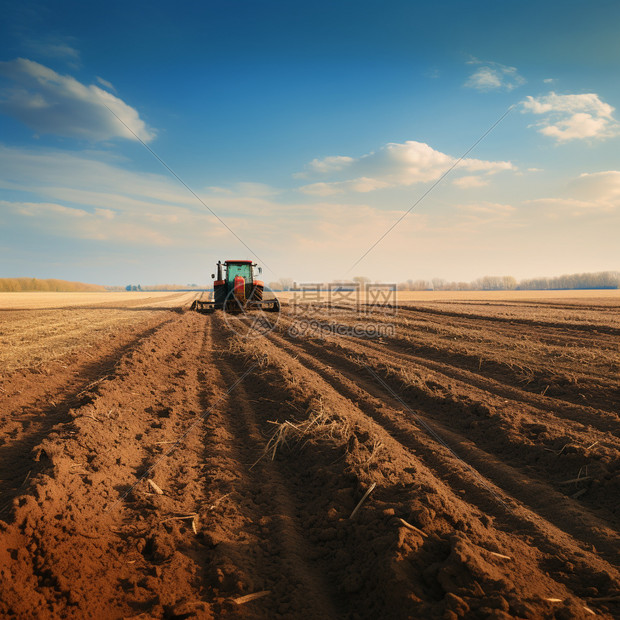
(309, 128)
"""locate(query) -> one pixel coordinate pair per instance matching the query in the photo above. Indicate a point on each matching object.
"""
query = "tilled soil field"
(439, 459)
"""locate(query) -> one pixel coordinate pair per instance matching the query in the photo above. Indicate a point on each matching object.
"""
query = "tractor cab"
(239, 268)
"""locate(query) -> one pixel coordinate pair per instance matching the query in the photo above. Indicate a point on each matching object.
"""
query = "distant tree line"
(283, 284)
(174, 287)
(16, 285)
(598, 280)
(601, 279)
(159, 287)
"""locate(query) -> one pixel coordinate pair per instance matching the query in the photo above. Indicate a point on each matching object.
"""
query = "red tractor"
(236, 290)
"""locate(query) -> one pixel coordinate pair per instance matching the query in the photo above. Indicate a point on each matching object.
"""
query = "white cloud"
(558, 208)
(394, 165)
(488, 207)
(58, 48)
(360, 185)
(589, 193)
(106, 84)
(479, 215)
(70, 196)
(494, 76)
(563, 202)
(58, 104)
(99, 225)
(127, 216)
(36, 209)
(328, 164)
(484, 79)
(572, 117)
(599, 186)
(96, 172)
(470, 181)
(578, 126)
(75, 195)
(257, 190)
(568, 103)
(323, 189)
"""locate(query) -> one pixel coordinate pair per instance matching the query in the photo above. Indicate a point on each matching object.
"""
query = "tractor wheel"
(257, 293)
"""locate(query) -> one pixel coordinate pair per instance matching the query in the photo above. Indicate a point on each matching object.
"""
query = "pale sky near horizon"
(309, 129)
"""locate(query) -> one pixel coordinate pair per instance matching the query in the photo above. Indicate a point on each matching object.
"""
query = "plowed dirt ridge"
(159, 463)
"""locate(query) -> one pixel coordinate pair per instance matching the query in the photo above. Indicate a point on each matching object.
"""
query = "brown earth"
(486, 433)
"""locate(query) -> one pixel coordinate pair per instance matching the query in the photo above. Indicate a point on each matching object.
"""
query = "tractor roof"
(245, 262)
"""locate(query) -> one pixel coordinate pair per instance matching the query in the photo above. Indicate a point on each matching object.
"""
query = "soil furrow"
(159, 465)
(606, 421)
(43, 402)
(480, 320)
(552, 540)
(92, 490)
(602, 420)
(584, 305)
(347, 378)
(295, 585)
(543, 441)
(571, 384)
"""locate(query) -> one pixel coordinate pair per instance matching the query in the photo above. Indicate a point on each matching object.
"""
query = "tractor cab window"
(244, 270)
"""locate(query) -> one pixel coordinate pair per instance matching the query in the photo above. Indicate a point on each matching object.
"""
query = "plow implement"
(232, 305)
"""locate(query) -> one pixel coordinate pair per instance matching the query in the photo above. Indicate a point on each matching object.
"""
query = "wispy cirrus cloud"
(90, 196)
(488, 208)
(51, 103)
(585, 195)
(572, 117)
(493, 76)
(106, 84)
(477, 216)
(54, 47)
(393, 165)
(468, 182)
(601, 186)
(105, 225)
